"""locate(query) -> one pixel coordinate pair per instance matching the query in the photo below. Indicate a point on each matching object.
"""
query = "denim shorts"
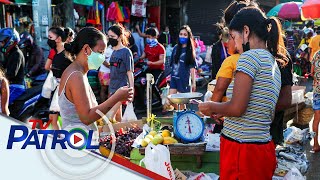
(316, 101)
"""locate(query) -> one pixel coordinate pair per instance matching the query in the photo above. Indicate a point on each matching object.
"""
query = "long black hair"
(259, 25)
(190, 51)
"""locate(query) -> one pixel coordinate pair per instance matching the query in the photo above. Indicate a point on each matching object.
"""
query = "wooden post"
(69, 15)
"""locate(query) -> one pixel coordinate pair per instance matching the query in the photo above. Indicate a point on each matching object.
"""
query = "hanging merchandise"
(91, 19)
(139, 8)
(97, 13)
(111, 12)
(126, 12)
(119, 17)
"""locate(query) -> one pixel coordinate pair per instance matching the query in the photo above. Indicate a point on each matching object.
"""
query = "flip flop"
(315, 150)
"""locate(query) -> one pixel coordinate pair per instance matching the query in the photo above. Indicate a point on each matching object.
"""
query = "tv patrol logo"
(76, 138)
(68, 153)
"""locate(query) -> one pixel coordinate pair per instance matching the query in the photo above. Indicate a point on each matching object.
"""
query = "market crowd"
(252, 61)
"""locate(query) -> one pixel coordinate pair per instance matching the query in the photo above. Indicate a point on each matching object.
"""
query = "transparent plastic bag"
(129, 114)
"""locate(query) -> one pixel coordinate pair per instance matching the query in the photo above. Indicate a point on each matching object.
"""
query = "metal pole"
(150, 82)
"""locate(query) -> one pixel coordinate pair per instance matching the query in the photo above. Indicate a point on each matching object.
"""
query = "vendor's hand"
(124, 94)
(149, 63)
(137, 26)
(194, 87)
(218, 118)
(205, 108)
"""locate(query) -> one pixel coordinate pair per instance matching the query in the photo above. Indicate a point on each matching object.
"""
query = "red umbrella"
(311, 9)
(5, 1)
(290, 10)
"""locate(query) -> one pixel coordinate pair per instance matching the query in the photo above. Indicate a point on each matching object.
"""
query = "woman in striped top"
(247, 151)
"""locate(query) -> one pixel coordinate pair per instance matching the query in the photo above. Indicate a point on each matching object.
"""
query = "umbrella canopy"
(275, 10)
(290, 10)
(5, 1)
(311, 9)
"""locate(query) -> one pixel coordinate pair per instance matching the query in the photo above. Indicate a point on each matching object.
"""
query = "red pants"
(246, 161)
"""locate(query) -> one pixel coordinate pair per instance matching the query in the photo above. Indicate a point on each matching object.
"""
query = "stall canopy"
(5, 1)
(311, 9)
(23, 1)
(84, 2)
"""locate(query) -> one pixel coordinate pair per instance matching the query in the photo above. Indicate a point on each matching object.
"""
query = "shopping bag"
(129, 114)
(48, 86)
(294, 174)
(157, 159)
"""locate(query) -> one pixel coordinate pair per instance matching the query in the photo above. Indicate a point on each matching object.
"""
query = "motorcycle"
(30, 101)
(140, 82)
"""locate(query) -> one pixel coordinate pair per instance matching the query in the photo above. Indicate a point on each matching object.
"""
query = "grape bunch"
(124, 140)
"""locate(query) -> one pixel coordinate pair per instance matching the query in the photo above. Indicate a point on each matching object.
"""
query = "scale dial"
(189, 126)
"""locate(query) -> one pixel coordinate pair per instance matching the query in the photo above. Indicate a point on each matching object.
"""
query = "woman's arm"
(237, 106)
(285, 97)
(220, 88)
(140, 33)
(48, 64)
(76, 91)
(159, 62)
(193, 79)
(5, 92)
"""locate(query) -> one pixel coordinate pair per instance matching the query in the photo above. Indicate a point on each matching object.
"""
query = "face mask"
(95, 60)
(152, 42)
(183, 40)
(52, 43)
(113, 42)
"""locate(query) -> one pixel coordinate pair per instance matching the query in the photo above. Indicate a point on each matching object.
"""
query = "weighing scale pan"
(184, 98)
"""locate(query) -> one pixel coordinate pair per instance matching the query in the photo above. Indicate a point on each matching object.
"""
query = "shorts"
(316, 101)
(104, 78)
(246, 160)
(179, 85)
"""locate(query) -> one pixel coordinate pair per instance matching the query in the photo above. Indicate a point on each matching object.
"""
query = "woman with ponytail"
(57, 37)
(255, 91)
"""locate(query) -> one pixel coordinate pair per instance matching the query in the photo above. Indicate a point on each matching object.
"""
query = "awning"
(23, 1)
(5, 1)
(84, 2)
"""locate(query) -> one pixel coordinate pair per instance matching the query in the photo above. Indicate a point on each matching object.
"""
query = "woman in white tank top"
(4, 100)
(77, 102)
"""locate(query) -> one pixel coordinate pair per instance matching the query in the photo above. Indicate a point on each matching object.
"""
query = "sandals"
(315, 150)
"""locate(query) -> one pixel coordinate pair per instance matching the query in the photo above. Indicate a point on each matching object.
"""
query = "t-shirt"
(228, 67)
(52, 53)
(121, 62)
(254, 125)
(36, 62)
(316, 64)
(153, 53)
(108, 54)
(60, 62)
(314, 45)
(181, 70)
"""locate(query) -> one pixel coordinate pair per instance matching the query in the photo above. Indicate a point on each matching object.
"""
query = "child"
(315, 71)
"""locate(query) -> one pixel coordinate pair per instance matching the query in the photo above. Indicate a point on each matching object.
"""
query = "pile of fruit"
(124, 140)
(158, 138)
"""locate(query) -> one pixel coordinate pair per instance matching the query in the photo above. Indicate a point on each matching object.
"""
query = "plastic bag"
(294, 174)
(157, 159)
(48, 86)
(129, 114)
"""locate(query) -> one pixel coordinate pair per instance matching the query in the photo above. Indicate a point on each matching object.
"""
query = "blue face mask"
(152, 42)
(95, 60)
(183, 40)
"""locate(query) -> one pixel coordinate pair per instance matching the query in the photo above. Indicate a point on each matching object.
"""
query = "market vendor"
(251, 108)
(77, 102)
